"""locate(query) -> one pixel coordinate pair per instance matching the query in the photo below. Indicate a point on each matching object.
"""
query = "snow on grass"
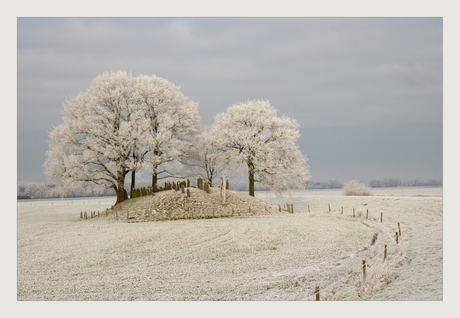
(273, 257)
(419, 212)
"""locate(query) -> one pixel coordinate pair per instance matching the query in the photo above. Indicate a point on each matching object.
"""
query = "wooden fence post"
(292, 208)
(353, 212)
(399, 228)
(228, 185)
(188, 183)
(317, 292)
(342, 210)
(86, 216)
(223, 190)
(367, 213)
(396, 238)
(385, 253)
(182, 189)
(81, 215)
(329, 207)
(188, 193)
(364, 269)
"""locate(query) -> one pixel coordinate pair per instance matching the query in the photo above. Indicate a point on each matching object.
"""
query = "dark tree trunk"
(154, 177)
(133, 174)
(251, 182)
(120, 195)
(120, 190)
(133, 179)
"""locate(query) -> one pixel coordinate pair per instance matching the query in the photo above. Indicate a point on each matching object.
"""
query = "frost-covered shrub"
(354, 187)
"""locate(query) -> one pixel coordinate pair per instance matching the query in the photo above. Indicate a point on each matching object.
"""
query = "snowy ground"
(61, 257)
(419, 212)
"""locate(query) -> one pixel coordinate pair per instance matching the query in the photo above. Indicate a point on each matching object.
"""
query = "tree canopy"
(252, 134)
(115, 127)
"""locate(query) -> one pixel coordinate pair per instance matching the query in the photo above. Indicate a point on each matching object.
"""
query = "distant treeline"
(40, 190)
(395, 182)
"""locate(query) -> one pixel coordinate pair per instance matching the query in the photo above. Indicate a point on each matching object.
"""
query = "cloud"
(324, 72)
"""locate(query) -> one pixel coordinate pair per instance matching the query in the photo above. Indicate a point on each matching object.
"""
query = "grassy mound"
(174, 205)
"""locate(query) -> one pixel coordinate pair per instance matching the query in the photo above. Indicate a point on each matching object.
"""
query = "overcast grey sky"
(367, 92)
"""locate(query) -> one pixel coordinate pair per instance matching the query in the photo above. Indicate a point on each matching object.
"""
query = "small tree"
(251, 134)
(354, 187)
(202, 161)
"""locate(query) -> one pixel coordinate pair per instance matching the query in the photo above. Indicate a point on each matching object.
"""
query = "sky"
(366, 92)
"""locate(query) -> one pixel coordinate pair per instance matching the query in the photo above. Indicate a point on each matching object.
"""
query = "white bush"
(354, 187)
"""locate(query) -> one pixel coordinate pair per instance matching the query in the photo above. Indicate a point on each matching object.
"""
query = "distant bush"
(354, 187)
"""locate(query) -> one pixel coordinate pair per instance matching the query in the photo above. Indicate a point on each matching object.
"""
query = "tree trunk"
(133, 174)
(120, 190)
(120, 195)
(133, 179)
(251, 182)
(154, 177)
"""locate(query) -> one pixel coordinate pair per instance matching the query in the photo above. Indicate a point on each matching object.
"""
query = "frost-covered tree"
(202, 160)
(356, 188)
(118, 125)
(172, 119)
(251, 134)
(101, 128)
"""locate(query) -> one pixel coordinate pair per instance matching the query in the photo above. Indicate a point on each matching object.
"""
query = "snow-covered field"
(62, 257)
